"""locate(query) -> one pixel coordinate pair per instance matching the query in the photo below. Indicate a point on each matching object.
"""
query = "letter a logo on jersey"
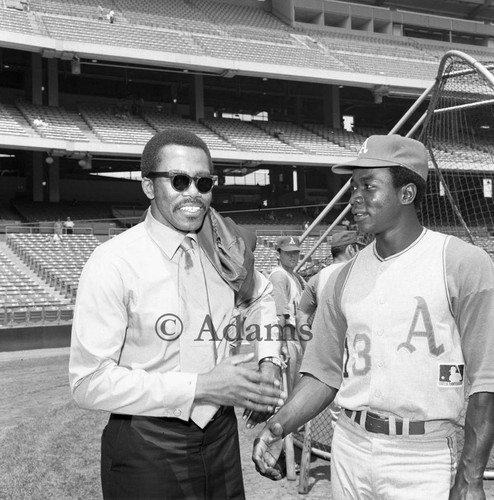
(422, 311)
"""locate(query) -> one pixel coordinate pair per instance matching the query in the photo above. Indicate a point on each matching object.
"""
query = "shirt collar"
(167, 238)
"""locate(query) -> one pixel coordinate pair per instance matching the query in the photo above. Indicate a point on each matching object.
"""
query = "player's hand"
(253, 418)
(467, 491)
(284, 351)
(267, 450)
(234, 383)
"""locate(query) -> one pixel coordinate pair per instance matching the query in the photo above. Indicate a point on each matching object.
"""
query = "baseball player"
(344, 246)
(390, 326)
(287, 290)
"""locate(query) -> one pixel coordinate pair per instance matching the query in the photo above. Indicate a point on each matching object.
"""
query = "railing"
(113, 231)
(44, 228)
(95, 227)
(19, 315)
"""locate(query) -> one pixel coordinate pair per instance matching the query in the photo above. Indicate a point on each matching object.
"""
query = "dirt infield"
(50, 448)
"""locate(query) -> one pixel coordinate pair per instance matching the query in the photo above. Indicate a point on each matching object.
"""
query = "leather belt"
(221, 411)
(381, 425)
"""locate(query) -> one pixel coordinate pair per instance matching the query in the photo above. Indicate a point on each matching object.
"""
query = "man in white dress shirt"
(172, 432)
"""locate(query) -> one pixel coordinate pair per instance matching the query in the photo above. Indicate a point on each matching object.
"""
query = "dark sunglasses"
(181, 182)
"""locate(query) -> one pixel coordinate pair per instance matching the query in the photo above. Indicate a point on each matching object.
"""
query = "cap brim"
(288, 248)
(347, 167)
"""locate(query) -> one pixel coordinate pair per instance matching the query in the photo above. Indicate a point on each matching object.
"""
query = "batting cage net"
(458, 131)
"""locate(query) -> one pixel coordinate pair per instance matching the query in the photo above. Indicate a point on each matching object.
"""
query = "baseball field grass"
(50, 447)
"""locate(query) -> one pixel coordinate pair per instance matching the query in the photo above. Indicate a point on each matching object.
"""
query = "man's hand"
(479, 438)
(274, 373)
(462, 490)
(267, 450)
(233, 383)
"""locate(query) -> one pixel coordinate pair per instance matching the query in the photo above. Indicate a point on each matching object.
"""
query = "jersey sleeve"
(308, 301)
(470, 280)
(281, 293)
(323, 357)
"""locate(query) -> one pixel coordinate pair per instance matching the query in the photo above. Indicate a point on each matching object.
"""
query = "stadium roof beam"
(154, 69)
(472, 10)
(476, 11)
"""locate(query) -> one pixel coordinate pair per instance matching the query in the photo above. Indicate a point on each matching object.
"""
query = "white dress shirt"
(123, 356)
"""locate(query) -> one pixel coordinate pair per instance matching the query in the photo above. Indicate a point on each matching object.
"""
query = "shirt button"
(377, 394)
(380, 364)
(177, 412)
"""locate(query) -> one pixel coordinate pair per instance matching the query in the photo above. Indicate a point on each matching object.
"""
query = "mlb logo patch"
(451, 375)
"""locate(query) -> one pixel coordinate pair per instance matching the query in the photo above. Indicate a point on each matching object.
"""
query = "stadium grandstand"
(279, 89)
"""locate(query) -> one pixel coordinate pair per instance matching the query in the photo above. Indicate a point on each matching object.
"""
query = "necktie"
(197, 347)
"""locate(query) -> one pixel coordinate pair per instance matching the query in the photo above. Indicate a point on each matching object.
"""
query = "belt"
(221, 411)
(381, 425)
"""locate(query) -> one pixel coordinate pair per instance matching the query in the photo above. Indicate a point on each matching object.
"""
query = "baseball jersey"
(402, 335)
(287, 290)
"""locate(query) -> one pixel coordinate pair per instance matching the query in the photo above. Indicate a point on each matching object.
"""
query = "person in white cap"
(344, 246)
(390, 326)
(287, 290)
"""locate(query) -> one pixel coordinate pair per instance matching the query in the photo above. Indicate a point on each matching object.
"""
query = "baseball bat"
(303, 481)
(291, 474)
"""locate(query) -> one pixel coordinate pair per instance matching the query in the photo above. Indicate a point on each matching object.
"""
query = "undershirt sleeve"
(308, 301)
(323, 357)
(470, 281)
(281, 293)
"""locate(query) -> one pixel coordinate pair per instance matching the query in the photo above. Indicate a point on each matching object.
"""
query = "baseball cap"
(288, 243)
(388, 151)
(346, 238)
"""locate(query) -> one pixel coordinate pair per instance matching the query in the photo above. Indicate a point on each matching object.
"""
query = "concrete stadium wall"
(102, 190)
(119, 191)
(284, 10)
(9, 186)
(34, 337)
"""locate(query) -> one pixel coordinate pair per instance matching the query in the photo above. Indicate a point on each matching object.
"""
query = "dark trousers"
(169, 459)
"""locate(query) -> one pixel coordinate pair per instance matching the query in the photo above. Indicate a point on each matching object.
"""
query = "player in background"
(391, 325)
(344, 246)
(287, 290)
